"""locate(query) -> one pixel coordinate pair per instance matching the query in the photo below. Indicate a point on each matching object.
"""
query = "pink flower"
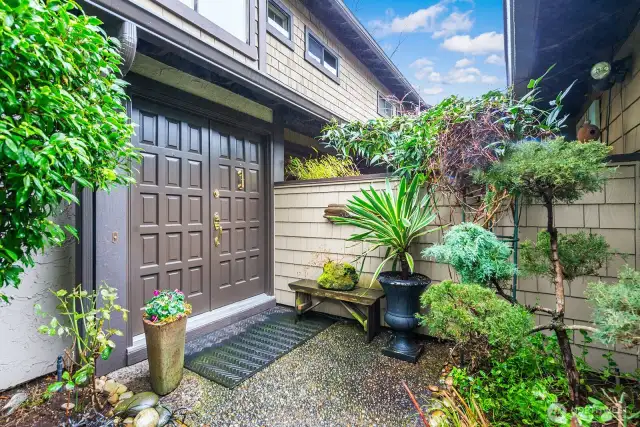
(156, 293)
(154, 319)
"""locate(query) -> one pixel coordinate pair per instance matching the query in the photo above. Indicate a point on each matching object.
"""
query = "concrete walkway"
(335, 379)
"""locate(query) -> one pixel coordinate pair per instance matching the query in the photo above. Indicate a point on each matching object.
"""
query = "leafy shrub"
(325, 166)
(481, 323)
(62, 123)
(166, 307)
(580, 254)
(520, 389)
(617, 308)
(85, 318)
(475, 253)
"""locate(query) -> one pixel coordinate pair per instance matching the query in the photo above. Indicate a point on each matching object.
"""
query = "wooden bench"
(370, 298)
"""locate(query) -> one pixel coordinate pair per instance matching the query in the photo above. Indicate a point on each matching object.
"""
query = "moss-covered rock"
(338, 276)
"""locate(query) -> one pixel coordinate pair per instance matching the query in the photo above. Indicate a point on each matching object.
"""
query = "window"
(321, 57)
(231, 16)
(280, 22)
(230, 21)
(385, 107)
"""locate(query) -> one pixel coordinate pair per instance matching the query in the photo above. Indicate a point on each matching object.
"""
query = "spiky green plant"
(391, 220)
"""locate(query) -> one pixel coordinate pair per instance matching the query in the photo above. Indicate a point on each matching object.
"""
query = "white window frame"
(383, 111)
(276, 30)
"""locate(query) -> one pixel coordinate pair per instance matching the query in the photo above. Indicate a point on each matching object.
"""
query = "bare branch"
(581, 328)
(541, 309)
(542, 328)
(400, 41)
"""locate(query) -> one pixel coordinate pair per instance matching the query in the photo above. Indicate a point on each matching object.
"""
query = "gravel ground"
(335, 379)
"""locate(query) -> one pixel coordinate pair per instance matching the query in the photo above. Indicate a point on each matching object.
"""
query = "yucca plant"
(391, 220)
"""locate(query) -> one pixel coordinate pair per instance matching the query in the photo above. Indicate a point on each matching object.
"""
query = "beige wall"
(304, 239)
(26, 354)
(355, 98)
(625, 103)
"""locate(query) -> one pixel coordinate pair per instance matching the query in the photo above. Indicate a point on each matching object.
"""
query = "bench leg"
(373, 313)
(303, 302)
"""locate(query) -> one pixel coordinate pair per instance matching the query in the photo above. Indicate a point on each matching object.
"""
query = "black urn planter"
(402, 305)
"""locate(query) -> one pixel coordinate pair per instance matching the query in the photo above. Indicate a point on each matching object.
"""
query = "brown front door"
(237, 171)
(184, 159)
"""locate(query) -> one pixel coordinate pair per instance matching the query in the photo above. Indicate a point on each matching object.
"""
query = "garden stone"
(110, 386)
(127, 421)
(67, 406)
(121, 389)
(165, 415)
(146, 418)
(113, 398)
(137, 403)
(100, 385)
(13, 403)
(126, 395)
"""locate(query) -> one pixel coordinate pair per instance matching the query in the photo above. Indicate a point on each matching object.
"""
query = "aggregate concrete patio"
(335, 379)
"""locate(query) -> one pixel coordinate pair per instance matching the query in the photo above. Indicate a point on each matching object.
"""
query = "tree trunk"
(404, 265)
(571, 371)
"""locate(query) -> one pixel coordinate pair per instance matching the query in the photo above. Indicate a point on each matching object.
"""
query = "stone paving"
(335, 379)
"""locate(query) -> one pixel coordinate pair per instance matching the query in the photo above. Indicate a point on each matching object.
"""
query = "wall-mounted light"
(605, 74)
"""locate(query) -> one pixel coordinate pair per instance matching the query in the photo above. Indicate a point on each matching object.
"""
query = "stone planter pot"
(402, 305)
(165, 352)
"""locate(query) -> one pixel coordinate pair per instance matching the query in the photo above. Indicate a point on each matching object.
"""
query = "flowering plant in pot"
(395, 221)
(165, 324)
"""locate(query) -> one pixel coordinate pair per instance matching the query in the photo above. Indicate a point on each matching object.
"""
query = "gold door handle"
(218, 228)
(241, 178)
(216, 194)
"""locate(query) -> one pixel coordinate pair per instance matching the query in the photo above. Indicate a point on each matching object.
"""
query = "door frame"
(112, 222)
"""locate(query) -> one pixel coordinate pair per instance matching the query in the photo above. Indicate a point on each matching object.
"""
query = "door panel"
(238, 263)
(170, 216)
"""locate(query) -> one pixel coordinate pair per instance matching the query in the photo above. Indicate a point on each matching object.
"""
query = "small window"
(385, 107)
(280, 22)
(279, 19)
(321, 57)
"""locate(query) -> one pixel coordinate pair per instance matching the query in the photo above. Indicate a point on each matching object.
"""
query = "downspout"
(128, 37)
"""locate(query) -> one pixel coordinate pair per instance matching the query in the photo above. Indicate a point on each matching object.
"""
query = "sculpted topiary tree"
(553, 172)
(62, 123)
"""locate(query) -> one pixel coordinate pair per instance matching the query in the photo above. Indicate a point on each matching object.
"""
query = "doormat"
(233, 360)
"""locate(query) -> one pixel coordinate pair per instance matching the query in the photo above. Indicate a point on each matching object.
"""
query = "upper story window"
(230, 21)
(385, 107)
(280, 22)
(232, 16)
(322, 57)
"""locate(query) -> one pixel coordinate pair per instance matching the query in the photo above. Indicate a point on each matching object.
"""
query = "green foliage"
(617, 308)
(520, 389)
(166, 307)
(580, 254)
(325, 166)
(85, 318)
(527, 388)
(476, 319)
(552, 171)
(410, 144)
(62, 122)
(475, 253)
(339, 276)
(390, 221)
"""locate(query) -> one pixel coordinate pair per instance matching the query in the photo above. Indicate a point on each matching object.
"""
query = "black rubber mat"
(233, 360)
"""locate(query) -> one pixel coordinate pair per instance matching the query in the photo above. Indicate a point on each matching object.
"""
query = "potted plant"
(394, 222)
(165, 326)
